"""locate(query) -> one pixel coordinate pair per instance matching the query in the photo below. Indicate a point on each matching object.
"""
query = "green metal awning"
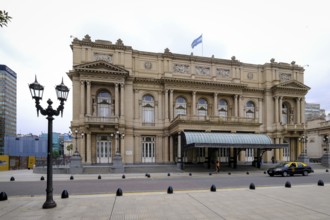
(228, 140)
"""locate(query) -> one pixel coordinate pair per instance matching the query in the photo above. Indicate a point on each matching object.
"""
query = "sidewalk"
(299, 202)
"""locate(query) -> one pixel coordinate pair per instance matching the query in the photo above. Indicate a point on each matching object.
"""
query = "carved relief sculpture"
(105, 57)
(148, 65)
(285, 76)
(201, 70)
(223, 73)
(181, 68)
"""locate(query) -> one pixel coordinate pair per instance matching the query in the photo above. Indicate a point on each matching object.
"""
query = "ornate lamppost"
(325, 160)
(117, 161)
(75, 161)
(62, 92)
(303, 156)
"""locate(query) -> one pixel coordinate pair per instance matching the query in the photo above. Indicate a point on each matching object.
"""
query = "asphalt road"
(160, 183)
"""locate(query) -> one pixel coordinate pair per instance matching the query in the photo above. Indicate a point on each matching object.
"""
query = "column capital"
(82, 82)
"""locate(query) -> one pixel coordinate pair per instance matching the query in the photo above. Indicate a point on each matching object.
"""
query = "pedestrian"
(217, 166)
(273, 159)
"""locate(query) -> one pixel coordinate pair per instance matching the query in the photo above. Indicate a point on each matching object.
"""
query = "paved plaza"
(297, 202)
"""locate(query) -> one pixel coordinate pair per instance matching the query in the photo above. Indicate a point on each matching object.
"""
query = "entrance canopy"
(227, 140)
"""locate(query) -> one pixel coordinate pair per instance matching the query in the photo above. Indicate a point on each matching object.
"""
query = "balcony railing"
(293, 127)
(101, 120)
(217, 119)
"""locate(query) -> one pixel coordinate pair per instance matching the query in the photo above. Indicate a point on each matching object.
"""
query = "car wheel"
(285, 173)
(271, 174)
(305, 173)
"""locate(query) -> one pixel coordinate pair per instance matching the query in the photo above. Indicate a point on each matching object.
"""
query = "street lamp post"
(325, 160)
(303, 156)
(117, 160)
(75, 161)
(62, 92)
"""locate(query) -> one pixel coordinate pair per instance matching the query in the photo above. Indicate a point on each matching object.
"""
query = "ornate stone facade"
(136, 103)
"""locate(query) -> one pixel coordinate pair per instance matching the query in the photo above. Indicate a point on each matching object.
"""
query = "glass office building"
(8, 104)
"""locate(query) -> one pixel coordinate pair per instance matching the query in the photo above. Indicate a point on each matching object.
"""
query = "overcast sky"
(37, 40)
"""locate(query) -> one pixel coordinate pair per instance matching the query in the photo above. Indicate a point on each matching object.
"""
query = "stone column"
(276, 109)
(89, 148)
(122, 101)
(260, 110)
(194, 103)
(82, 99)
(116, 100)
(136, 104)
(89, 104)
(160, 107)
(298, 110)
(277, 155)
(280, 110)
(166, 156)
(215, 104)
(240, 107)
(171, 148)
(236, 105)
(171, 104)
(302, 110)
(166, 104)
(281, 151)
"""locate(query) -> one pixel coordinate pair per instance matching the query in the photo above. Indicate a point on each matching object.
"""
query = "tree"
(69, 148)
(56, 154)
(4, 18)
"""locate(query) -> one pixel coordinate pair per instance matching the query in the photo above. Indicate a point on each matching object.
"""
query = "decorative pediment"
(100, 66)
(292, 84)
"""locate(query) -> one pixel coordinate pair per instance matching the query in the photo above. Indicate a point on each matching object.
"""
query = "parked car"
(290, 168)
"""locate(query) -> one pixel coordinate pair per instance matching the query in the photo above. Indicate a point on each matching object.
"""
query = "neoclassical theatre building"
(166, 108)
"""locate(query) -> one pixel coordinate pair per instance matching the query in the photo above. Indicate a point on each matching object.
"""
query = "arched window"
(180, 106)
(202, 107)
(148, 109)
(104, 104)
(222, 108)
(285, 113)
(249, 109)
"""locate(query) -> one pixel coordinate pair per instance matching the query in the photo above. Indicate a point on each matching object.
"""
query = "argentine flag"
(197, 41)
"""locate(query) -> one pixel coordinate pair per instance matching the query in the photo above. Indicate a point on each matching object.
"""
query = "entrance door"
(103, 151)
(249, 155)
(148, 150)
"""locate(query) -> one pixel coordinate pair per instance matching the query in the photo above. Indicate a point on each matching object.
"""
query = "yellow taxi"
(290, 169)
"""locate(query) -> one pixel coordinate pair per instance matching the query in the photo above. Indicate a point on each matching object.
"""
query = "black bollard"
(326, 170)
(287, 184)
(229, 173)
(170, 190)
(210, 174)
(148, 175)
(3, 196)
(320, 183)
(168, 174)
(99, 177)
(265, 172)
(247, 173)
(252, 186)
(65, 194)
(123, 176)
(42, 178)
(119, 192)
(12, 178)
(71, 177)
(213, 188)
(190, 174)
